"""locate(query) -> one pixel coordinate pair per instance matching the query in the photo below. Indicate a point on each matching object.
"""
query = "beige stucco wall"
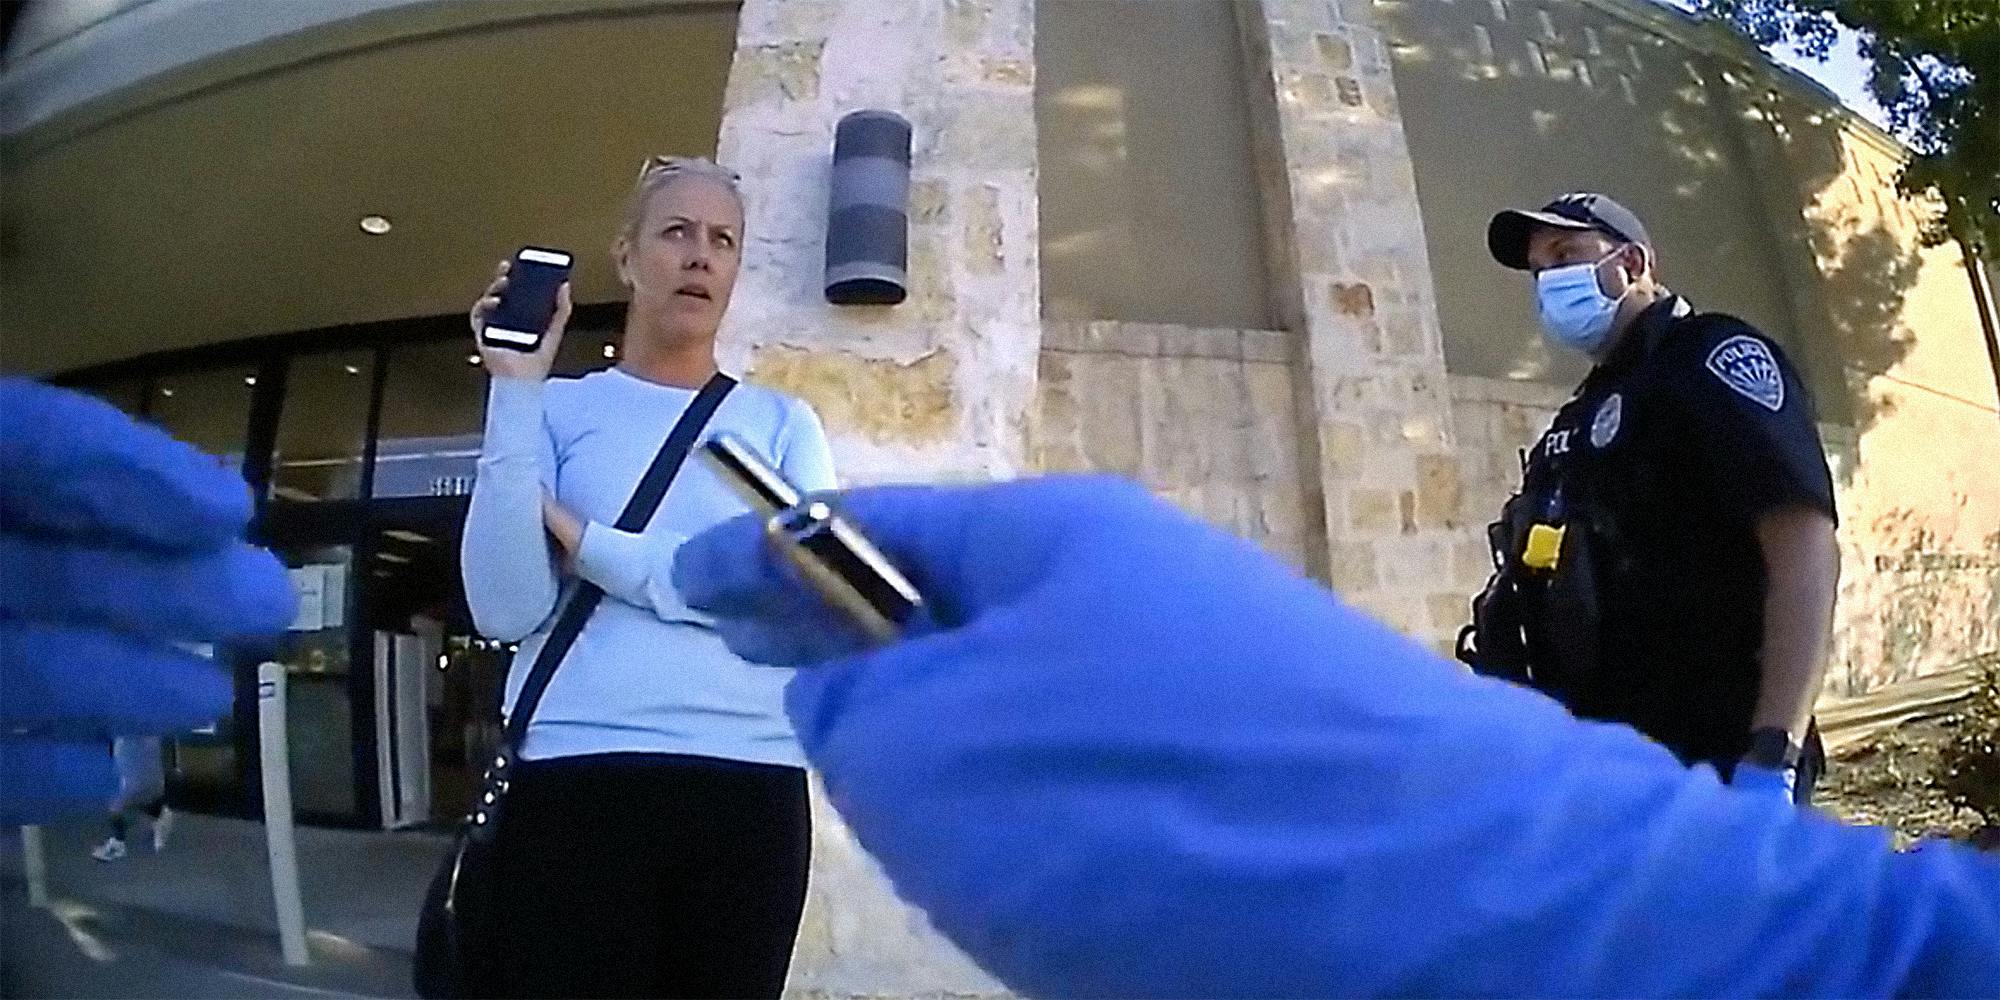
(1919, 487)
(1122, 238)
(1511, 104)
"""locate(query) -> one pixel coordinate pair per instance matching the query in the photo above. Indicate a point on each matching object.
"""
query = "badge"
(1746, 366)
(1604, 427)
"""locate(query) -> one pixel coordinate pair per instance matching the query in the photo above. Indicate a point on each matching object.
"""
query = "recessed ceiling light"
(611, 350)
(376, 225)
(169, 393)
(352, 369)
(249, 380)
(472, 359)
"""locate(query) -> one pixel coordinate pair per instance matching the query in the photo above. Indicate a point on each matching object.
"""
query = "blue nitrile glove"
(1133, 756)
(1777, 783)
(117, 544)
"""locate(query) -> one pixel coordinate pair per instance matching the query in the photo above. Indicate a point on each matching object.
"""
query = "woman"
(657, 836)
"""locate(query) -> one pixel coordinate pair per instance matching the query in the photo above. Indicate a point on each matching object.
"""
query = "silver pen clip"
(834, 557)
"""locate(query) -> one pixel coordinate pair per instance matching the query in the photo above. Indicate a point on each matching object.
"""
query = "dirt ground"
(1887, 782)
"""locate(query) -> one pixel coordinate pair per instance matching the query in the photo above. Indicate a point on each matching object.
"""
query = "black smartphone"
(529, 301)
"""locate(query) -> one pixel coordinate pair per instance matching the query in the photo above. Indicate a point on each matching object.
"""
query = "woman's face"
(681, 264)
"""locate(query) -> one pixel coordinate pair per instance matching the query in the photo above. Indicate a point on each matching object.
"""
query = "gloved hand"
(1777, 783)
(1131, 756)
(119, 545)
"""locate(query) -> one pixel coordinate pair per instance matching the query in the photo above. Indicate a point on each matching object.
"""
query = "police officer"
(1669, 561)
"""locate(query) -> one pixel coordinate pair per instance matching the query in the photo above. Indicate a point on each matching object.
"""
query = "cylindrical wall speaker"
(867, 224)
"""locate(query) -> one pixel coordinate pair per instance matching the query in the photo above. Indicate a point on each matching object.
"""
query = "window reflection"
(433, 408)
(323, 427)
(210, 410)
(584, 351)
(128, 394)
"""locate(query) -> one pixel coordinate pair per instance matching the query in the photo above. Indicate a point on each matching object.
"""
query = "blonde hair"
(658, 172)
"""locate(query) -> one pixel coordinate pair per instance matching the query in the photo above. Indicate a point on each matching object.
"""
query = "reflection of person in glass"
(657, 834)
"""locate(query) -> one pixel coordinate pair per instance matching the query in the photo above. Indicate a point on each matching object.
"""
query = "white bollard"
(35, 866)
(279, 836)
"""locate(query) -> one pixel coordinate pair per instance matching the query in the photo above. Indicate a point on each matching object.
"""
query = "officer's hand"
(119, 545)
(1777, 783)
(1015, 762)
(1130, 755)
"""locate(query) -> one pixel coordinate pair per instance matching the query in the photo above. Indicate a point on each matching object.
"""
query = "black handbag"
(454, 931)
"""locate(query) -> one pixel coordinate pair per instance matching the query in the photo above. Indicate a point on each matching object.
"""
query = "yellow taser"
(1544, 547)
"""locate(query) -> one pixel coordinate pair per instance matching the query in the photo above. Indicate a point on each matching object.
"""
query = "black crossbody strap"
(585, 595)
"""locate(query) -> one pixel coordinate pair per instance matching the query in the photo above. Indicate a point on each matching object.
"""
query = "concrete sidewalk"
(198, 919)
(79, 949)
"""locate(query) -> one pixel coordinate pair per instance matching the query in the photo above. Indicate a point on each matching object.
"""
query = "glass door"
(437, 683)
(393, 696)
(320, 668)
(327, 661)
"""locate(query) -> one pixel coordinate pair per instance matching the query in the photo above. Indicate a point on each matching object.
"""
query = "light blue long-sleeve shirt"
(647, 674)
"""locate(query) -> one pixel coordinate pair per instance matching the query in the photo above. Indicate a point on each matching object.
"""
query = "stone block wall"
(1494, 422)
(938, 388)
(1349, 242)
(1208, 419)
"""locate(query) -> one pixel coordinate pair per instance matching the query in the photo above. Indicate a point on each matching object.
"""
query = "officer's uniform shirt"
(1673, 446)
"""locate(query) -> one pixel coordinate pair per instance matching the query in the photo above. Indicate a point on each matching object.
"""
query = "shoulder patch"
(1746, 366)
(1604, 427)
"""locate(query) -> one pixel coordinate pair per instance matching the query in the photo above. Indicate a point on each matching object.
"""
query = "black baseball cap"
(1507, 234)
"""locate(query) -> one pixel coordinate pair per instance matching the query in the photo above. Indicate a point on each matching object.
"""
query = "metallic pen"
(833, 556)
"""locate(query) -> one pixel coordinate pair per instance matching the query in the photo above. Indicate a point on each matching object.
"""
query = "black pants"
(121, 824)
(649, 875)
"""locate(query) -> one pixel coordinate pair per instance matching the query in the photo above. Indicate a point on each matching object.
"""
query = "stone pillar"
(940, 386)
(1374, 356)
(937, 388)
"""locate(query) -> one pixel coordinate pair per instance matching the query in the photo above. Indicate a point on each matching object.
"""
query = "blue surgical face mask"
(1575, 312)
